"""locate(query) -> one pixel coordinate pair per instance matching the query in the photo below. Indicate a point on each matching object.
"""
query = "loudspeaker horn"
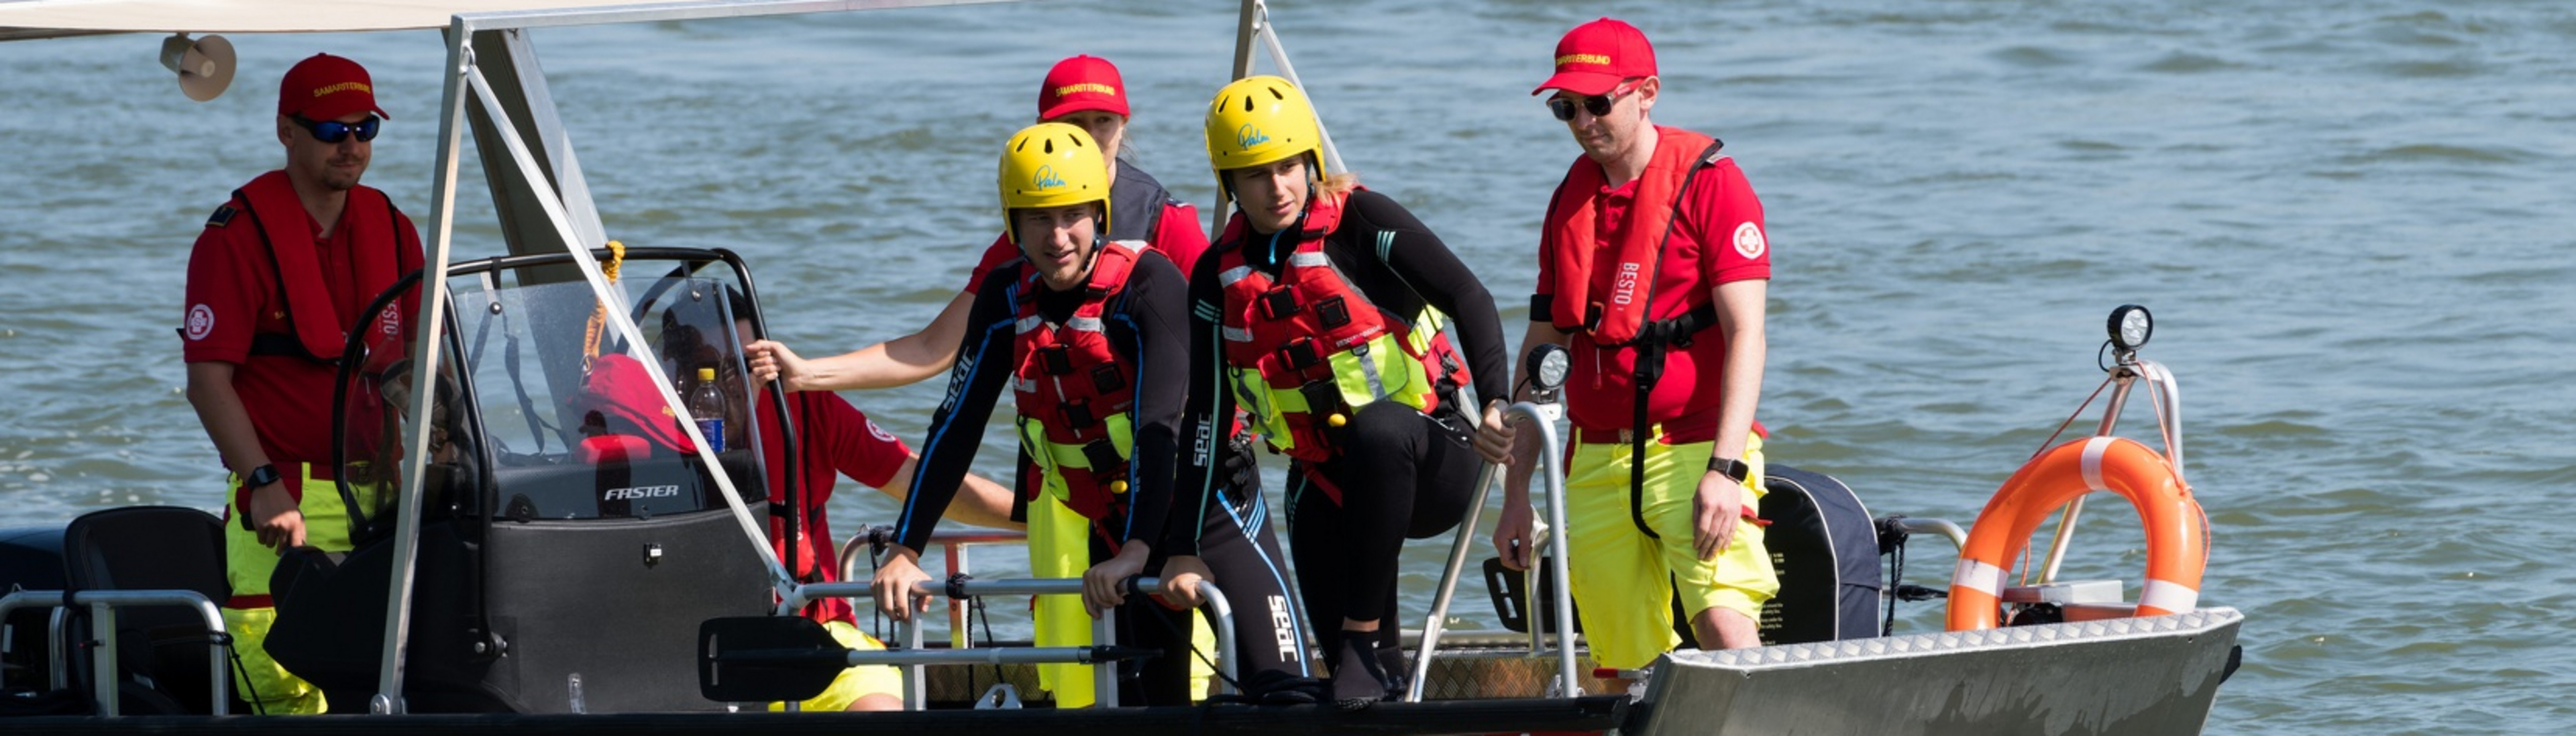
(205, 65)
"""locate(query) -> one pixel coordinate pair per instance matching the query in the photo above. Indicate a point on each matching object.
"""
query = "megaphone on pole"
(205, 65)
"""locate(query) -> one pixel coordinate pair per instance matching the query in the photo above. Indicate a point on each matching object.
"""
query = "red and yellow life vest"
(1074, 392)
(1619, 313)
(1306, 349)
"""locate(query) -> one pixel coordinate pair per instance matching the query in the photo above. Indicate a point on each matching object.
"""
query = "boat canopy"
(50, 18)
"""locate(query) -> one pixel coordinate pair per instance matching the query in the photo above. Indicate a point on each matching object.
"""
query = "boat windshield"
(568, 417)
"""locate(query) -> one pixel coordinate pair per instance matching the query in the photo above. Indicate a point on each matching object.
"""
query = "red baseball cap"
(1081, 83)
(1594, 57)
(327, 87)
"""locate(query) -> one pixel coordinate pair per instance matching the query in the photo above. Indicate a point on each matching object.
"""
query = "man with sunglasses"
(275, 284)
(1653, 269)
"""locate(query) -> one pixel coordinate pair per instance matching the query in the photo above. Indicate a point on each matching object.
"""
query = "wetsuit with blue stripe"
(1145, 324)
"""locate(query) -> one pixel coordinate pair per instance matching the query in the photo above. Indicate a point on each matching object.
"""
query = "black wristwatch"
(1732, 467)
(260, 477)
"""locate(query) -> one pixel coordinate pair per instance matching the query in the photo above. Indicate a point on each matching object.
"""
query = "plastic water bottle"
(707, 403)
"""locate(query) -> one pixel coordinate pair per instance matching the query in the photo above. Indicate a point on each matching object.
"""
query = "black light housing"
(1547, 367)
(2130, 327)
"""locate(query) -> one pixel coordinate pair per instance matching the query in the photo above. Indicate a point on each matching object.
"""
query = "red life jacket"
(1306, 349)
(368, 219)
(1074, 392)
(1573, 247)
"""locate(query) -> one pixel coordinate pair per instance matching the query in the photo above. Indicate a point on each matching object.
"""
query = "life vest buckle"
(1056, 360)
(1106, 379)
(1333, 312)
(1300, 354)
(1280, 302)
(1102, 456)
(1077, 414)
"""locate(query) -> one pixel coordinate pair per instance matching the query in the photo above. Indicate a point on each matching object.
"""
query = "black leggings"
(1401, 474)
(1242, 554)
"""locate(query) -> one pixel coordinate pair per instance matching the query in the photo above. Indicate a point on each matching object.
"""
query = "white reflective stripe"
(1131, 246)
(1368, 369)
(1028, 324)
(2093, 450)
(1238, 334)
(1024, 385)
(1231, 275)
(2168, 596)
(1085, 324)
(1978, 576)
(1308, 259)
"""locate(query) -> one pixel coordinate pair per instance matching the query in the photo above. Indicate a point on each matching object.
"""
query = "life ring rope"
(2177, 530)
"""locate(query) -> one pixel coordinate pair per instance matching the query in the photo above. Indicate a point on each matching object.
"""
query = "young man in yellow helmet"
(1318, 312)
(1086, 332)
(1652, 271)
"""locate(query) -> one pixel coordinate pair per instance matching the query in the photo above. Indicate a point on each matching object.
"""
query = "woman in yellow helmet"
(1318, 312)
(1083, 330)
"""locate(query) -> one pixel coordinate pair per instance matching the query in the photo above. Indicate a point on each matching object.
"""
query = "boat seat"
(161, 650)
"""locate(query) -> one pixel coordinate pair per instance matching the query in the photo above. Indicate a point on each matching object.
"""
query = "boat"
(641, 592)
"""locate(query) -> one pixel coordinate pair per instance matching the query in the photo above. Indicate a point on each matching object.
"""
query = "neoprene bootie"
(1358, 680)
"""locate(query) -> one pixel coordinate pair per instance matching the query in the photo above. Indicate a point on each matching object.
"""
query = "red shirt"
(1181, 242)
(1718, 237)
(835, 439)
(233, 294)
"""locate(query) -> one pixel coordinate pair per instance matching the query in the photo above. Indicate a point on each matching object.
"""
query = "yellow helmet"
(1260, 120)
(1053, 165)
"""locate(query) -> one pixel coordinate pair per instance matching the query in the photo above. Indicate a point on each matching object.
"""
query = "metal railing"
(103, 656)
(913, 657)
(1551, 547)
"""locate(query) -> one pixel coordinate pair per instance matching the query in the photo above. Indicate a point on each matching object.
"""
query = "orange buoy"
(2177, 532)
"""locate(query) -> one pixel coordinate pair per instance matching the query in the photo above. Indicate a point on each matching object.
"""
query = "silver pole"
(1559, 542)
(424, 367)
(2123, 378)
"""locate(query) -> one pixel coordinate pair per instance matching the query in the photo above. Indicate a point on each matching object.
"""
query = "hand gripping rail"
(1542, 416)
(103, 658)
(912, 657)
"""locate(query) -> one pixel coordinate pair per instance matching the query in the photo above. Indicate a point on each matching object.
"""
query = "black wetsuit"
(1401, 473)
(1144, 323)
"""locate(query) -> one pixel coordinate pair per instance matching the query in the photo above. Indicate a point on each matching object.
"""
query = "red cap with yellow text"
(327, 87)
(1081, 83)
(1595, 57)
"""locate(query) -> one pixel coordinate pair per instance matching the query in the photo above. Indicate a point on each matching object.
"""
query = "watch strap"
(1732, 467)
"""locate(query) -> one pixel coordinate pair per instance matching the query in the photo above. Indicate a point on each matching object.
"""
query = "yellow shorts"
(1623, 578)
(856, 682)
(247, 565)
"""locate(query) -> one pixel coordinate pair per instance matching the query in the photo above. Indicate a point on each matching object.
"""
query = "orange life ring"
(2177, 533)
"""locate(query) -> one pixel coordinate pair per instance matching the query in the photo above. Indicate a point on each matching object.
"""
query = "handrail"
(958, 541)
(103, 658)
(1552, 446)
(1103, 630)
(2167, 394)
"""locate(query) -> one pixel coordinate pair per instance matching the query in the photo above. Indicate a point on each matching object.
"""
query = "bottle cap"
(706, 374)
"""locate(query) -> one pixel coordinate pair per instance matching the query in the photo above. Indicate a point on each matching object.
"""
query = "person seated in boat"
(833, 439)
(1319, 311)
(275, 283)
(1670, 375)
(1078, 328)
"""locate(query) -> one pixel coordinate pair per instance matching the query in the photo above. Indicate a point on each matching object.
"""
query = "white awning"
(45, 18)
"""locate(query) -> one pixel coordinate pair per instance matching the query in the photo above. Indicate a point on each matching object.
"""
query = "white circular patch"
(1748, 240)
(201, 322)
(878, 432)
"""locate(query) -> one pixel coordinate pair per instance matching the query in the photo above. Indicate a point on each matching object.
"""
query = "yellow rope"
(599, 312)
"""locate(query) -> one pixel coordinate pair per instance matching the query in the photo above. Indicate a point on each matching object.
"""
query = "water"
(2341, 212)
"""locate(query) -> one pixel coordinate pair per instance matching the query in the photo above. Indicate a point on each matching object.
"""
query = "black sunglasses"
(334, 131)
(1598, 105)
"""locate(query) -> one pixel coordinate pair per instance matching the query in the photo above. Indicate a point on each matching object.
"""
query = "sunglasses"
(333, 131)
(1598, 105)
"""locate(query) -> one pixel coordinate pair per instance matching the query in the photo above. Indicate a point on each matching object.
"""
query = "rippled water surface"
(2351, 218)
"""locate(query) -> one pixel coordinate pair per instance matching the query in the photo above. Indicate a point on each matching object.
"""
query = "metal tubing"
(1558, 543)
(2123, 378)
(1432, 624)
(1958, 537)
(1221, 610)
(1104, 629)
(103, 605)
